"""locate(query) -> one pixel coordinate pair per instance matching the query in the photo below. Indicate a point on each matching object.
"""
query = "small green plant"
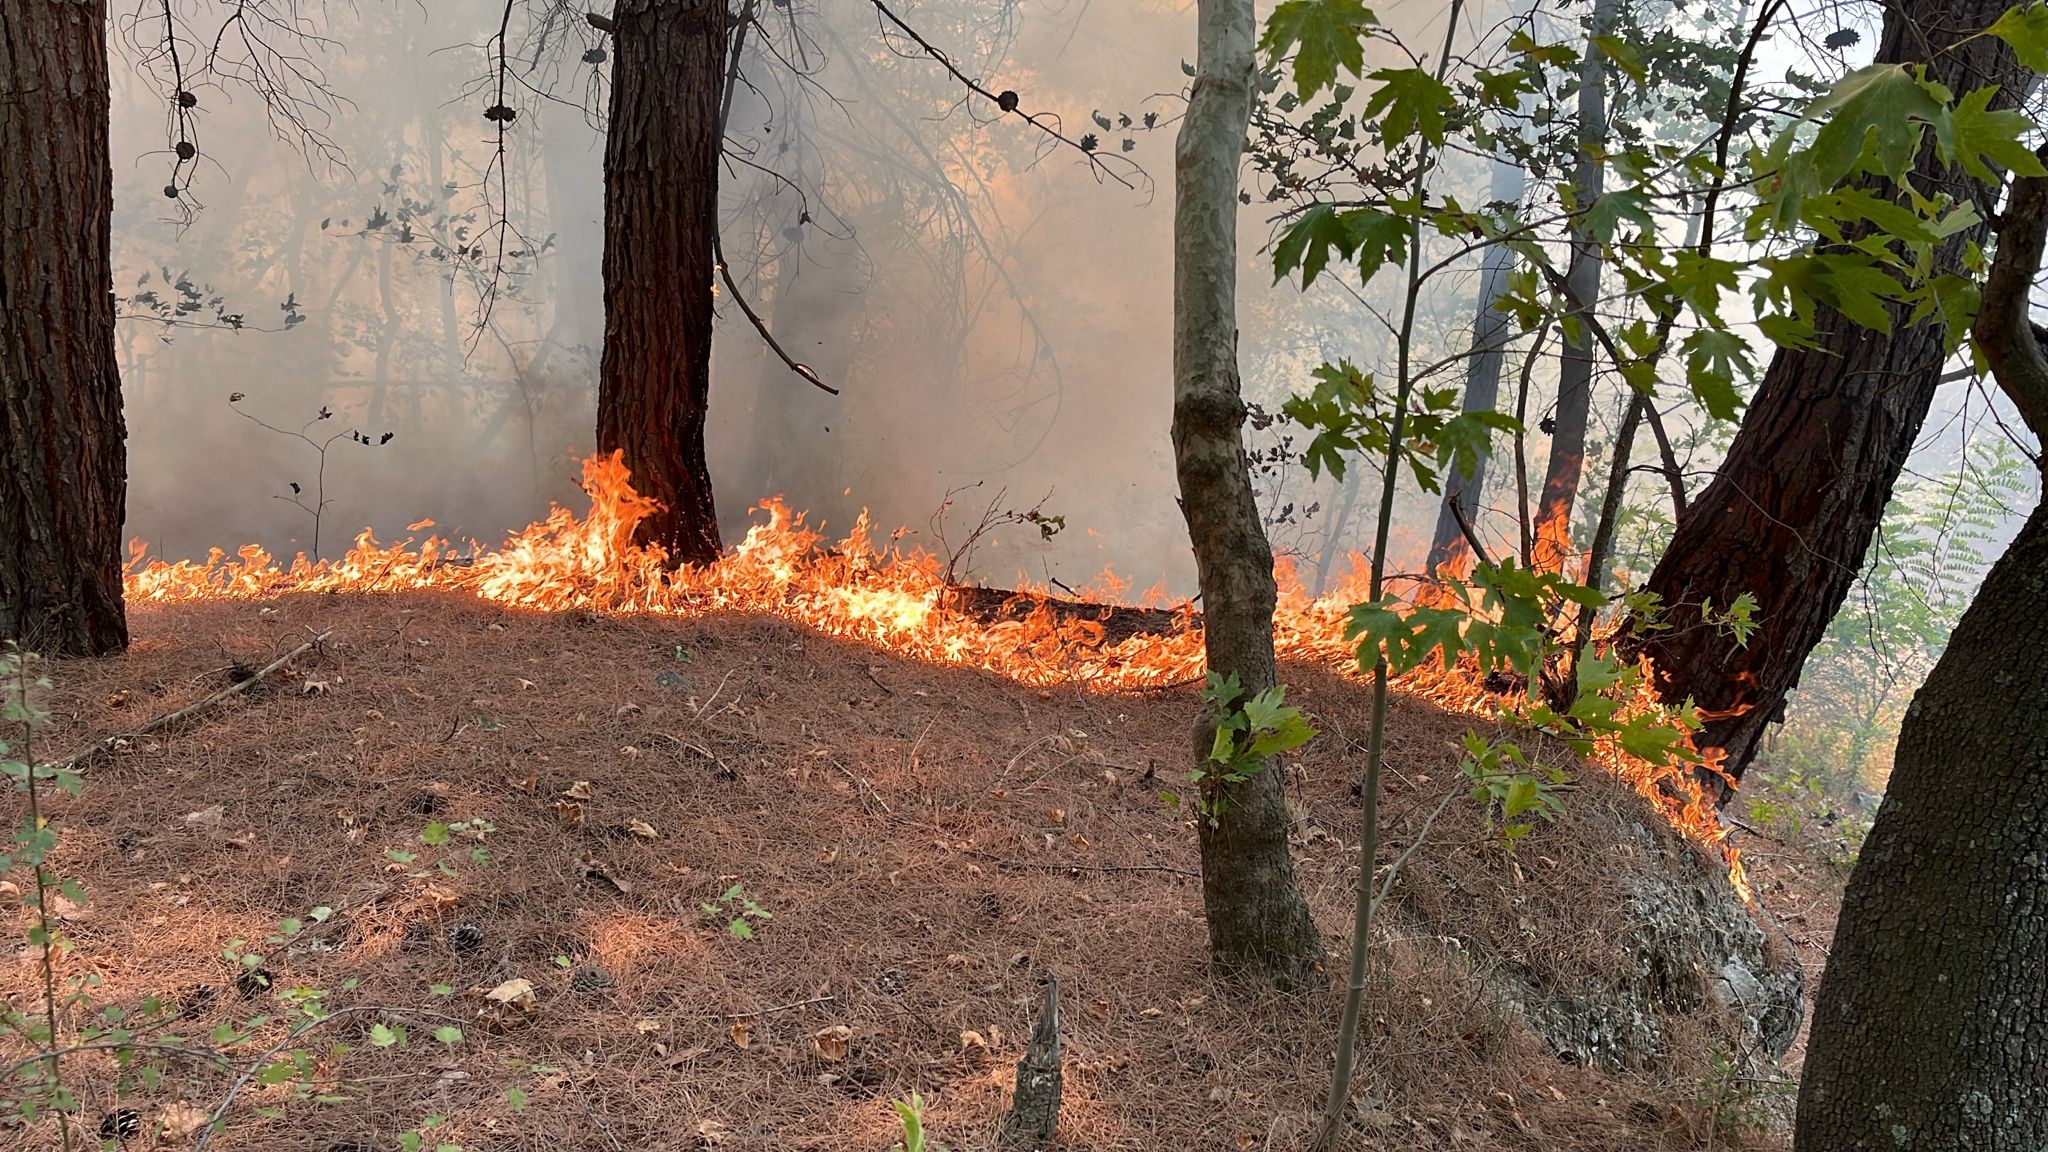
(1248, 733)
(1508, 788)
(415, 1139)
(441, 838)
(742, 912)
(910, 1113)
(1734, 1103)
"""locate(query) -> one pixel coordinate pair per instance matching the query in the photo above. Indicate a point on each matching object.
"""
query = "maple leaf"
(1330, 35)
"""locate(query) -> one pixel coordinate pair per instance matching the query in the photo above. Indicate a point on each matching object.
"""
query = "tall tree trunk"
(660, 206)
(1259, 924)
(1582, 278)
(63, 451)
(1790, 516)
(1482, 382)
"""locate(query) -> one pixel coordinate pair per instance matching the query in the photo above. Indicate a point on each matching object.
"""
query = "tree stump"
(1035, 1109)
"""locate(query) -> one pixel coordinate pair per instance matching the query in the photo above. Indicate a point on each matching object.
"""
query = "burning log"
(1118, 622)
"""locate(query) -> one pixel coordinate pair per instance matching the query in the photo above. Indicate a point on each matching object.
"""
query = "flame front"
(889, 598)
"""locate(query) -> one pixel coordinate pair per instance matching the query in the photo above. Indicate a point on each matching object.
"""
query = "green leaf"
(2025, 27)
(448, 1034)
(1307, 244)
(1409, 102)
(435, 834)
(1330, 33)
(1606, 214)
(1879, 111)
(1624, 56)
(1979, 138)
(382, 1036)
(741, 930)
(1712, 359)
(515, 1099)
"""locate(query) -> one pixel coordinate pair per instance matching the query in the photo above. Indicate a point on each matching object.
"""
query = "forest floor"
(921, 844)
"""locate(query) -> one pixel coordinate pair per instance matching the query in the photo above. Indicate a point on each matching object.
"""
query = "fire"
(882, 596)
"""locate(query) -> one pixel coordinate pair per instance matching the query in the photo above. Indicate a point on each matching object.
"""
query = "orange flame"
(892, 599)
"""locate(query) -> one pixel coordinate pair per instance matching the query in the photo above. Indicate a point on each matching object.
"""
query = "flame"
(883, 596)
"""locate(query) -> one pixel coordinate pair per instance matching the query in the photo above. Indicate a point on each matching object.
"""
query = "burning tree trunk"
(63, 456)
(1931, 1030)
(660, 207)
(1259, 924)
(1789, 517)
(1582, 279)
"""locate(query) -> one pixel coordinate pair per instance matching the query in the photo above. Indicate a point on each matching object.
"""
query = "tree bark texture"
(1931, 1029)
(1259, 923)
(1790, 516)
(63, 450)
(1567, 465)
(660, 207)
(1482, 383)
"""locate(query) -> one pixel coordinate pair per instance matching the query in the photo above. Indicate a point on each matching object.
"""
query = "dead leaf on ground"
(580, 790)
(182, 1120)
(312, 687)
(571, 814)
(832, 1043)
(509, 1004)
(710, 1133)
(593, 867)
(67, 910)
(975, 1046)
(742, 1033)
(642, 829)
(686, 1055)
(525, 784)
(647, 1026)
(206, 817)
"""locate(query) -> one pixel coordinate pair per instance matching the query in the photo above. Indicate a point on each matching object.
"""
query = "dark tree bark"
(1790, 516)
(63, 451)
(1567, 465)
(660, 209)
(1259, 923)
(1482, 390)
(1931, 1029)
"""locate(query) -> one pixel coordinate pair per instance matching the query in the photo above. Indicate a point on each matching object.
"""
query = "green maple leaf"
(1308, 241)
(1712, 358)
(1880, 111)
(1377, 238)
(1330, 35)
(2025, 27)
(1978, 138)
(1607, 212)
(1409, 102)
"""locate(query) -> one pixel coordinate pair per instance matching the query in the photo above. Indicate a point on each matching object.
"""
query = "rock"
(1692, 947)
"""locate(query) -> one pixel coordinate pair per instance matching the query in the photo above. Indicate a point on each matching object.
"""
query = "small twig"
(262, 1061)
(760, 325)
(1394, 871)
(866, 789)
(1471, 536)
(793, 1005)
(166, 720)
(706, 706)
(870, 674)
(1051, 867)
(596, 1119)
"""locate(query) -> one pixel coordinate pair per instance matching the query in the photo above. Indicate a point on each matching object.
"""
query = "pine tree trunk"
(1567, 464)
(1259, 923)
(1482, 383)
(1931, 1029)
(660, 206)
(1790, 516)
(63, 451)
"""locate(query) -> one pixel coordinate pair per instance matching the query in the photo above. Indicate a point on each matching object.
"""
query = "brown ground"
(926, 840)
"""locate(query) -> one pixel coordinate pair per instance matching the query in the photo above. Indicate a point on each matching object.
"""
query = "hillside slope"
(924, 841)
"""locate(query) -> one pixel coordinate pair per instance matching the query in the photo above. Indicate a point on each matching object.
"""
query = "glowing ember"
(895, 600)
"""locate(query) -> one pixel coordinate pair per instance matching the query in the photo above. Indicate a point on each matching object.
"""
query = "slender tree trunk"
(1490, 335)
(1791, 514)
(660, 206)
(1259, 923)
(1582, 277)
(63, 452)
